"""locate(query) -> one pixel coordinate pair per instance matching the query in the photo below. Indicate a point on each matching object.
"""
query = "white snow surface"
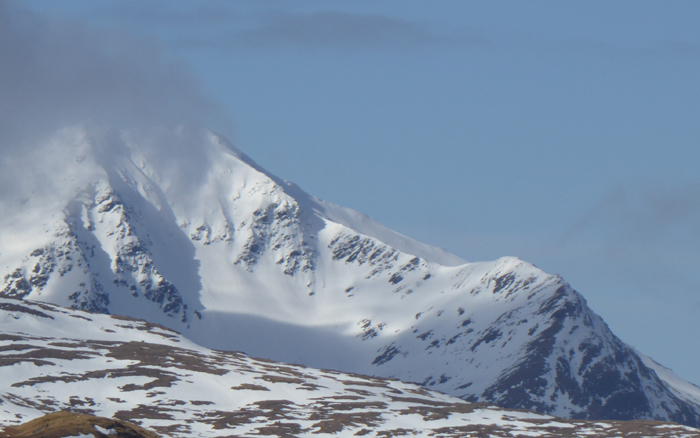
(178, 227)
(681, 388)
(105, 431)
(59, 359)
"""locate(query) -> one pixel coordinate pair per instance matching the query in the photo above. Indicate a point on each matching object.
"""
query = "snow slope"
(179, 228)
(681, 388)
(58, 359)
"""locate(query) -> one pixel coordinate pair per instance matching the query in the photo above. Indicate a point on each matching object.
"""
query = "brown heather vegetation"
(62, 424)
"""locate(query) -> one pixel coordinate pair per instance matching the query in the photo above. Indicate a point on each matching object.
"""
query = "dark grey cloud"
(660, 211)
(273, 25)
(643, 215)
(164, 13)
(236, 26)
(338, 29)
(56, 73)
(537, 43)
(332, 30)
(683, 48)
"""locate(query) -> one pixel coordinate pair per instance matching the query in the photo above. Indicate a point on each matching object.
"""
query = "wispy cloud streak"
(643, 216)
(215, 26)
(336, 30)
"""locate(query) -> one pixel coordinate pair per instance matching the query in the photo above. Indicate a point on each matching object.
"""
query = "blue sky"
(564, 133)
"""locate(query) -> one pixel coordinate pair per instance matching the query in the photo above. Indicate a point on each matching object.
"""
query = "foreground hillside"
(179, 228)
(64, 424)
(54, 359)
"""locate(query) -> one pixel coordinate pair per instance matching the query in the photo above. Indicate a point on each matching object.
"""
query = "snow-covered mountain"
(179, 228)
(55, 359)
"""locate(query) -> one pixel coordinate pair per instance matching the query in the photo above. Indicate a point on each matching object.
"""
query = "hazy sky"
(564, 133)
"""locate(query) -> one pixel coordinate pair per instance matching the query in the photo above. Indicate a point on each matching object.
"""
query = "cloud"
(217, 25)
(538, 43)
(660, 212)
(55, 73)
(337, 29)
(648, 216)
(326, 30)
(164, 13)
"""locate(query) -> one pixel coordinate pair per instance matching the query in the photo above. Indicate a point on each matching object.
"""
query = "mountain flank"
(179, 228)
(128, 370)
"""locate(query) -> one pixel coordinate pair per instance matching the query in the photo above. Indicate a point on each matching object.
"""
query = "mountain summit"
(177, 227)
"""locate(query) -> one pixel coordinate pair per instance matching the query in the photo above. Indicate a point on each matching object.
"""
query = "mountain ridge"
(180, 228)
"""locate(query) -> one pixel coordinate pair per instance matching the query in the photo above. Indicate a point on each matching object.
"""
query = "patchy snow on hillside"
(56, 359)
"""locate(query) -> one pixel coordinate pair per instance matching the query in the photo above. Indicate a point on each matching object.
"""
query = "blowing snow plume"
(58, 73)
